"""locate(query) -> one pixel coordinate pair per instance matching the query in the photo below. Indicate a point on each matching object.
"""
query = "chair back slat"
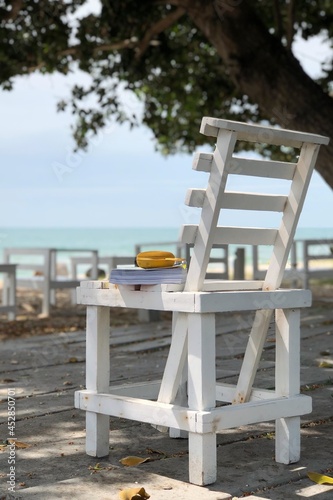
(233, 235)
(202, 162)
(258, 133)
(215, 198)
(262, 168)
(240, 201)
(248, 166)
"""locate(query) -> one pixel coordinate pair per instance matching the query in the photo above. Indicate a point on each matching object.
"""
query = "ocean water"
(108, 241)
(115, 241)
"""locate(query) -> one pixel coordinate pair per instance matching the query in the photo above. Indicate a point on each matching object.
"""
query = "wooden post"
(53, 275)
(11, 291)
(239, 264)
(46, 301)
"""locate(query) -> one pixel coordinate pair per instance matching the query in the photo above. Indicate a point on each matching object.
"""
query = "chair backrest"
(221, 164)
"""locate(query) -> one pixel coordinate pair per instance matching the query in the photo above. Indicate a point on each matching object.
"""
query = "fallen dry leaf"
(320, 478)
(133, 494)
(156, 452)
(98, 467)
(133, 461)
(73, 359)
(18, 444)
(325, 364)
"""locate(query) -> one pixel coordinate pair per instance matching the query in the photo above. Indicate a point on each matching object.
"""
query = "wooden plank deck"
(45, 371)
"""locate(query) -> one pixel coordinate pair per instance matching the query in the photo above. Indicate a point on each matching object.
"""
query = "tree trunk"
(262, 68)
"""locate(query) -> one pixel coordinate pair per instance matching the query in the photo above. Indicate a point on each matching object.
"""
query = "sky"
(121, 181)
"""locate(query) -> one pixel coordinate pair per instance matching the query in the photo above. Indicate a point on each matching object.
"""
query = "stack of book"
(133, 275)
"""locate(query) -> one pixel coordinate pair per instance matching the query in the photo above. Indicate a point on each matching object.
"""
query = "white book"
(133, 275)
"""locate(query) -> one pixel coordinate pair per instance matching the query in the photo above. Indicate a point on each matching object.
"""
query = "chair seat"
(101, 293)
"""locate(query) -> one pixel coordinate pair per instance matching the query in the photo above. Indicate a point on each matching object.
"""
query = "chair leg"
(181, 400)
(181, 397)
(202, 458)
(287, 440)
(201, 395)
(97, 378)
(252, 355)
(174, 367)
(287, 376)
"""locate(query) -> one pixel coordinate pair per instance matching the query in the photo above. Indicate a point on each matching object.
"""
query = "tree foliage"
(182, 59)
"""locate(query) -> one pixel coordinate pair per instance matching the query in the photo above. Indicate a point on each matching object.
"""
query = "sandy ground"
(68, 317)
(65, 317)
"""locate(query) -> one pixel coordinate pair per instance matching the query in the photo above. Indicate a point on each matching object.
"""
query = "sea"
(114, 241)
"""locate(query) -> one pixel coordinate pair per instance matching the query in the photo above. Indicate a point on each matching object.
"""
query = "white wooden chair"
(191, 357)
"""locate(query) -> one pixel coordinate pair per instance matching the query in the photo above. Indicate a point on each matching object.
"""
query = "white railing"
(44, 275)
(104, 263)
(8, 290)
(303, 261)
(304, 258)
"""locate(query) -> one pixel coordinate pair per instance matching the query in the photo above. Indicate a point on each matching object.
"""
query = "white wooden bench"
(8, 305)
(185, 399)
(43, 274)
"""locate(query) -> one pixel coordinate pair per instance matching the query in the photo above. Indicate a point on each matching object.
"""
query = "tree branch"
(278, 19)
(290, 23)
(129, 43)
(158, 28)
(13, 13)
(75, 50)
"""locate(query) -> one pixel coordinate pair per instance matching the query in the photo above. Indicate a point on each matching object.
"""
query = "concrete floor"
(43, 372)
